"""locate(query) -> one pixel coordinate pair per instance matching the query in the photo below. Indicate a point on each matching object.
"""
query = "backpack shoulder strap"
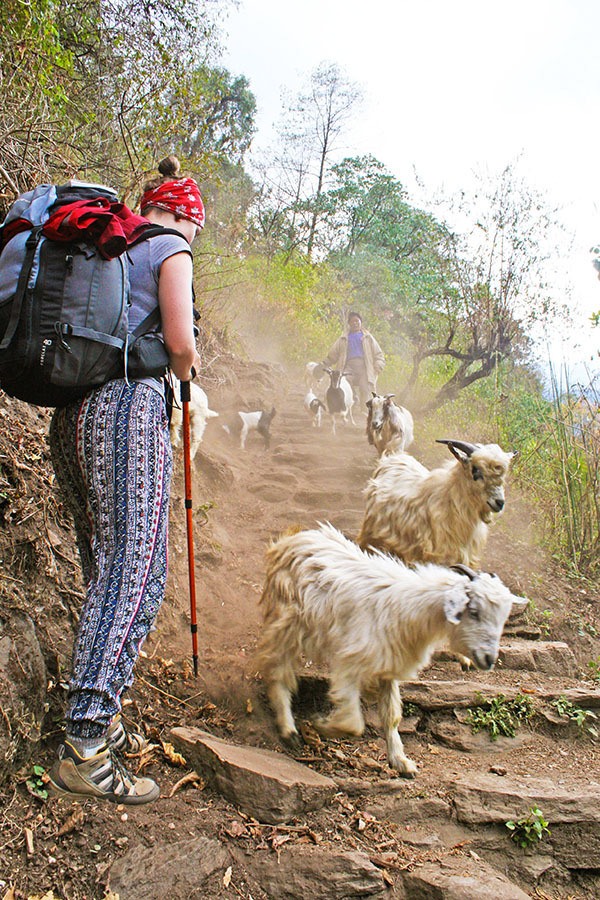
(153, 231)
(30, 249)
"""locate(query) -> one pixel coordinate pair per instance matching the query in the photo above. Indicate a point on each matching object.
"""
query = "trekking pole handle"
(185, 391)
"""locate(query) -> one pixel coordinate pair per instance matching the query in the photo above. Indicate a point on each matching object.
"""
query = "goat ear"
(455, 603)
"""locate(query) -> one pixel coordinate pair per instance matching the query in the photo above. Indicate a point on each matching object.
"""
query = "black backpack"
(64, 313)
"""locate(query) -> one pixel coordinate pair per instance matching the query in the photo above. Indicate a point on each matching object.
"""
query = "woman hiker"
(112, 457)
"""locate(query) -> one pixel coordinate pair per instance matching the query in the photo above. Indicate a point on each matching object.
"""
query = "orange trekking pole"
(187, 470)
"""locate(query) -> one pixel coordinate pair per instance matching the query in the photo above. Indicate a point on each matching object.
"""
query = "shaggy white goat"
(389, 426)
(339, 397)
(199, 413)
(438, 515)
(314, 373)
(373, 621)
(314, 407)
(244, 422)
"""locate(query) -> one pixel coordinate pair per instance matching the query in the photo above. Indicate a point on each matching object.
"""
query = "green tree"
(86, 92)
(499, 284)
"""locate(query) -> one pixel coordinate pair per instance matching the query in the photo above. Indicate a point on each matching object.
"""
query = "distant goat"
(314, 407)
(314, 373)
(244, 422)
(339, 397)
(389, 426)
(373, 621)
(438, 516)
(199, 413)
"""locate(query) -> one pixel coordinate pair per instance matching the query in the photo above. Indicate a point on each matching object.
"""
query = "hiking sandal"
(102, 777)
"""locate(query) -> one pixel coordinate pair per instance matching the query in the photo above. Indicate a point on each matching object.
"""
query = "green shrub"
(500, 716)
(576, 714)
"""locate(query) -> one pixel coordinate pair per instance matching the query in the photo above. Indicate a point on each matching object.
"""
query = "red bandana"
(180, 197)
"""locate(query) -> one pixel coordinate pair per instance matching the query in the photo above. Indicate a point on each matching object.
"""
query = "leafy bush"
(576, 714)
(500, 716)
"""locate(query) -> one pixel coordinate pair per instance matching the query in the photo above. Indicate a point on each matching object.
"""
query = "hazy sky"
(450, 88)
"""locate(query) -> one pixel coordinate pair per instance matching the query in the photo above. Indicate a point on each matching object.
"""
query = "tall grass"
(559, 443)
(574, 433)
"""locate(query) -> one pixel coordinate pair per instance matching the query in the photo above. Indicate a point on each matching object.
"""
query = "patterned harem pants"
(113, 461)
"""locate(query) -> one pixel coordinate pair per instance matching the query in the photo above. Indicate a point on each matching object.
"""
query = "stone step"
(573, 812)
(432, 695)
(269, 786)
(549, 657)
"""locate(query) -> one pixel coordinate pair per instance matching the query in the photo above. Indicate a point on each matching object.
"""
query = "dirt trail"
(308, 475)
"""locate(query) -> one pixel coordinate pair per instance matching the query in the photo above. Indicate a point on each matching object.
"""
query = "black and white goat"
(373, 621)
(244, 422)
(314, 407)
(339, 397)
(389, 427)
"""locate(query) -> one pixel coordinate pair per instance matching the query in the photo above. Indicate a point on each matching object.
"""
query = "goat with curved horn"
(465, 570)
(453, 445)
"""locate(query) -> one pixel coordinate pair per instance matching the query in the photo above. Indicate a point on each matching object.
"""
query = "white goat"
(439, 515)
(389, 426)
(374, 621)
(339, 397)
(314, 373)
(244, 422)
(314, 407)
(199, 413)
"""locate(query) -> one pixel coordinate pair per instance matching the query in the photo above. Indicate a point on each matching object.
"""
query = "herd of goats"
(376, 609)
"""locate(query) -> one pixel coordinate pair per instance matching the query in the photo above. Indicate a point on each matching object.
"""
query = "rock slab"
(177, 871)
(268, 786)
(319, 872)
(459, 879)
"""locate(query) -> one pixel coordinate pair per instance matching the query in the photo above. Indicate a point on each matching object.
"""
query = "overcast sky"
(450, 88)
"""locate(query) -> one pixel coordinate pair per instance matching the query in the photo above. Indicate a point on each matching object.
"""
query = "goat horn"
(389, 396)
(465, 446)
(465, 570)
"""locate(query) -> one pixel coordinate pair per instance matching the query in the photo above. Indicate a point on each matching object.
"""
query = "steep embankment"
(441, 835)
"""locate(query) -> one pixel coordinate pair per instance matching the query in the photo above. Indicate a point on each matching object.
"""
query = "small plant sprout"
(594, 667)
(36, 783)
(539, 617)
(584, 626)
(529, 830)
(500, 716)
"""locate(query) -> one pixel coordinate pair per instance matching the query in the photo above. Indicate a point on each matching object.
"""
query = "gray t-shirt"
(145, 260)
